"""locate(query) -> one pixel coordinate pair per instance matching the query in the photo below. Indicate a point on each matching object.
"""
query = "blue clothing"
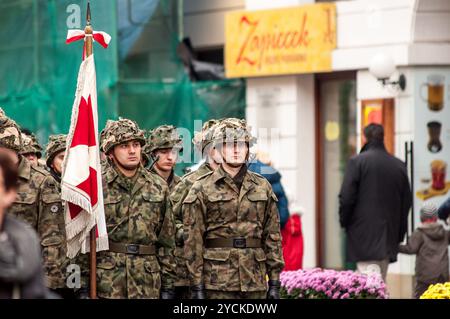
(444, 210)
(274, 178)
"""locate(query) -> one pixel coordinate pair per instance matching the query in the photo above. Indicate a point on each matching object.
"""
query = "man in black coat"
(375, 199)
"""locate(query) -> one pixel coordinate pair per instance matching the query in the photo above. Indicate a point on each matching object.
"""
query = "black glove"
(167, 293)
(274, 289)
(198, 292)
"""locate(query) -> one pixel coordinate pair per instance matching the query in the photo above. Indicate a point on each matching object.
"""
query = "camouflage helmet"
(30, 145)
(164, 136)
(203, 138)
(10, 135)
(233, 130)
(56, 144)
(118, 132)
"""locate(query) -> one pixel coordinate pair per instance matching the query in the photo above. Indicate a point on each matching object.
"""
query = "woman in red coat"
(292, 241)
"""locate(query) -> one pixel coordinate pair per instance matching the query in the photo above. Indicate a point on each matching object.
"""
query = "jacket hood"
(270, 173)
(434, 231)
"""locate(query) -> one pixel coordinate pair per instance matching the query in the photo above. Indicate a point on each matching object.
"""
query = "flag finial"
(88, 14)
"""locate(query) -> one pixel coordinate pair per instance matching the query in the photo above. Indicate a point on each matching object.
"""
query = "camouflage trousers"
(217, 294)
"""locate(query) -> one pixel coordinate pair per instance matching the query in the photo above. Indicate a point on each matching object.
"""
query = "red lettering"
(253, 26)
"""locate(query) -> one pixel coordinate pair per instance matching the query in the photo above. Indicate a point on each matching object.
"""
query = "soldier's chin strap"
(154, 161)
(250, 158)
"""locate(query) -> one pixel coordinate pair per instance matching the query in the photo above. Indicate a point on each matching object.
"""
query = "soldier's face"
(57, 162)
(234, 153)
(167, 159)
(127, 155)
(32, 158)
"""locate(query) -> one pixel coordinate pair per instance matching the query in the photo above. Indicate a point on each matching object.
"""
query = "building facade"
(311, 122)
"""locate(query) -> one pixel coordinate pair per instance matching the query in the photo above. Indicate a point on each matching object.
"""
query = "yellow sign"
(284, 41)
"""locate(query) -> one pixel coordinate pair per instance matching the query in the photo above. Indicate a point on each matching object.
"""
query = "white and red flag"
(81, 184)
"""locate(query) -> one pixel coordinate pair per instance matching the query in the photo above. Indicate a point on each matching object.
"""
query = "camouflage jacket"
(177, 196)
(26, 207)
(137, 211)
(174, 179)
(52, 232)
(215, 208)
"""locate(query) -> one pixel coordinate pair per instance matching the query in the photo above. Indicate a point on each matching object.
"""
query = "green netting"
(149, 85)
(181, 104)
(40, 71)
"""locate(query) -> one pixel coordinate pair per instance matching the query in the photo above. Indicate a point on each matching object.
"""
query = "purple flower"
(331, 283)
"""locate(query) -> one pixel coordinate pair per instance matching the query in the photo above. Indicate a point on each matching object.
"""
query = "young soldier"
(164, 143)
(139, 263)
(232, 225)
(31, 149)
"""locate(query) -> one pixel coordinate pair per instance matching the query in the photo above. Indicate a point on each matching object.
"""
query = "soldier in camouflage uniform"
(51, 225)
(31, 149)
(202, 142)
(232, 226)
(141, 231)
(164, 143)
(26, 207)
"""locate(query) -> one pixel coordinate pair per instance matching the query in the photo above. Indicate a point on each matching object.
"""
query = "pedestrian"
(375, 199)
(444, 210)
(31, 177)
(266, 169)
(21, 274)
(292, 240)
(141, 232)
(202, 142)
(163, 146)
(429, 242)
(232, 226)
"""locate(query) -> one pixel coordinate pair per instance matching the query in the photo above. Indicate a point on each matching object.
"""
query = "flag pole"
(92, 238)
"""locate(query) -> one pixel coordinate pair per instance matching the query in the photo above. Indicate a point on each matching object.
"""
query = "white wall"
(281, 113)
(413, 32)
(204, 21)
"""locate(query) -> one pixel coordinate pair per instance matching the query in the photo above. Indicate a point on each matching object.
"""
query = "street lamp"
(382, 67)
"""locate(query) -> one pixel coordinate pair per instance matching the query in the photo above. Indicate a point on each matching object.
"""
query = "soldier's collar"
(218, 174)
(24, 168)
(110, 173)
(253, 177)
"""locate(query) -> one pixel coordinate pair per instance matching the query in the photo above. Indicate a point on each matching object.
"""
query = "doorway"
(336, 139)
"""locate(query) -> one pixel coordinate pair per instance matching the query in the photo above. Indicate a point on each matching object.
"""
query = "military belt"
(132, 249)
(240, 242)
